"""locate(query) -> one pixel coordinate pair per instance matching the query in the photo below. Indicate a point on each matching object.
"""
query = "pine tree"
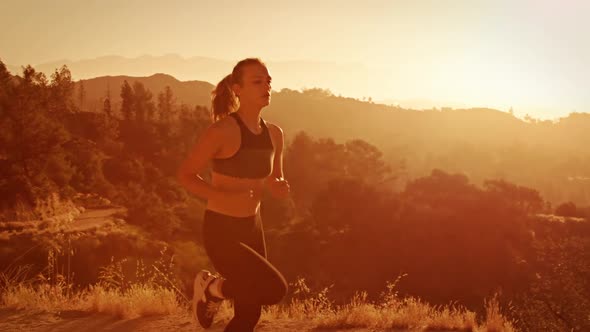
(106, 105)
(127, 104)
(61, 90)
(33, 137)
(81, 95)
(166, 102)
(144, 107)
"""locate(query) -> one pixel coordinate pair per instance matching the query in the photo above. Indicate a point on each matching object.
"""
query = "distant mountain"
(317, 114)
(184, 69)
(349, 79)
(189, 92)
(286, 74)
(421, 104)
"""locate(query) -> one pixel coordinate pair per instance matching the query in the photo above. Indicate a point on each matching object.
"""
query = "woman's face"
(256, 86)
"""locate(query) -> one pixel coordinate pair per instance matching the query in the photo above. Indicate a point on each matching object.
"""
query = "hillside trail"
(13, 320)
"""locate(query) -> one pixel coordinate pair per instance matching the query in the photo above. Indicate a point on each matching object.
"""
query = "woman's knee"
(275, 291)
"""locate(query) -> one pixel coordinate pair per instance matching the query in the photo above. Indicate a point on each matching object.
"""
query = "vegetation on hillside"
(357, 218)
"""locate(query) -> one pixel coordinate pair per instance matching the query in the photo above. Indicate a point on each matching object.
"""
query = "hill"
(291, 74)
(189, 92)
(479, 142)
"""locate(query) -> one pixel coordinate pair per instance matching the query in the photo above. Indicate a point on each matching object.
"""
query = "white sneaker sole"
(198, 290)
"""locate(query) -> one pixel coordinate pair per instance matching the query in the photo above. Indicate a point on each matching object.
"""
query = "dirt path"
(95, 218)
(12, 320)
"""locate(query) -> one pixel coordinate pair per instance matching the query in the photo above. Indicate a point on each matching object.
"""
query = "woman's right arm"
(206, 148)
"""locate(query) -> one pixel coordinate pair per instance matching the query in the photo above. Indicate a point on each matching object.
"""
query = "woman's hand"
(279, 187)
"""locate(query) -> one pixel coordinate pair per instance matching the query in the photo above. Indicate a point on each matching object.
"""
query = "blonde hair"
(223, 99)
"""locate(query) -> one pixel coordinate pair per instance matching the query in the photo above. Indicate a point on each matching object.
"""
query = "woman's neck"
(250, 115)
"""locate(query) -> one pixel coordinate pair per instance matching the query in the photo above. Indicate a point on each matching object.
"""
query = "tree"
(127, 103)
(32, 137)
(353, 221)
(61, 90)
(449, 224)
(300, 167)
(6, 89)
(81, 94)
(557, 296)
(106, 107)
(365, 161)
(5, 79)
(568, 209)
(310, 164)
(166, 102)
(523, 199)
(144, 107)
(318, 93)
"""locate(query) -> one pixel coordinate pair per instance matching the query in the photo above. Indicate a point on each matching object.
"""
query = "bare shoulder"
(275, 130)
(208, 146)
(222, 128)
(226, 123)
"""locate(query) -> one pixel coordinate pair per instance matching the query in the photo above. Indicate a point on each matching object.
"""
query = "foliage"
(356, 218)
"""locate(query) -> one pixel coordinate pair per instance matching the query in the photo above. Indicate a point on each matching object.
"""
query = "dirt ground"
(12, 320)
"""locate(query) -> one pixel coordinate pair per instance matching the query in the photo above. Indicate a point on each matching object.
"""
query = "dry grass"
(144, 300)
(495, 320)
(42, 297)
(391, 312)
(136, 301)
(408, 313)
(127, 301)
(113, 294)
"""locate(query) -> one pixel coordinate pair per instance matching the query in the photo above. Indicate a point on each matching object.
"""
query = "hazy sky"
(532, 55)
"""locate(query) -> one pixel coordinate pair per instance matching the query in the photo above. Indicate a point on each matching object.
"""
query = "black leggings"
(236, 248)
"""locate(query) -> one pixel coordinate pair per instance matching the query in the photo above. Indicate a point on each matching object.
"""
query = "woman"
(246, 156)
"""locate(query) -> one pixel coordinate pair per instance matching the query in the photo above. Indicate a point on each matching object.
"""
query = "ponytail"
(223, 100)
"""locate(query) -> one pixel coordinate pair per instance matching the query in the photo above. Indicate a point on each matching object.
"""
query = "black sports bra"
(253, 159)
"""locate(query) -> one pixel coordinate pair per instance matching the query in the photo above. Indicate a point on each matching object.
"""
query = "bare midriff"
(232, 205)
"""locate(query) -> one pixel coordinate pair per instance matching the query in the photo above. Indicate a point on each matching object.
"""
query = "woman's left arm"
(276, 183)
